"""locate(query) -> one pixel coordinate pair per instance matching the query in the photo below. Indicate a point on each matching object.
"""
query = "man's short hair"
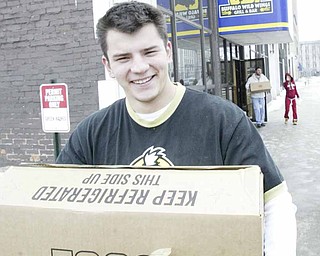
(129, 17)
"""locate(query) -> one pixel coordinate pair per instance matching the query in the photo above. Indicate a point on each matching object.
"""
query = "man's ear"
(106, 63)
(169, 50)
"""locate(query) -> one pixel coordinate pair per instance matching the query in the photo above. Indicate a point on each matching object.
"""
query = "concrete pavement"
(296, 150)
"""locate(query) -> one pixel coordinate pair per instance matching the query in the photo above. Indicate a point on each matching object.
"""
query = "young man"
(258, 98)
(163, 123)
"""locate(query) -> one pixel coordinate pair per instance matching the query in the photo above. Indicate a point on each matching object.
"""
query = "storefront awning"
(257, 38)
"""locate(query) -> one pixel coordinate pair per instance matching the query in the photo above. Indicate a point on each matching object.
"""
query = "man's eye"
(121, 59)
(151, 52)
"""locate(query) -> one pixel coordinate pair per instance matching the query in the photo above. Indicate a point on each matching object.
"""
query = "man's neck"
(166, 96)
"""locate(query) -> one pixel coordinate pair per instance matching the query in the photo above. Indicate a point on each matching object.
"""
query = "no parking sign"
(54, 108)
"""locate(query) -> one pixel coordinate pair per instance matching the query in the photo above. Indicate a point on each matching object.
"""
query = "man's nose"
(139, 65)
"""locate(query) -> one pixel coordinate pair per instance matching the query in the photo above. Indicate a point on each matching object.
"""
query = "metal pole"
(56, 137)
(202, 44)
(56, 144)
(215, 52)
(174, 42)
(226, 70)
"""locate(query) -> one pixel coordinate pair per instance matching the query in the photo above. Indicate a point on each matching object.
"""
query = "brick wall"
(40, 41)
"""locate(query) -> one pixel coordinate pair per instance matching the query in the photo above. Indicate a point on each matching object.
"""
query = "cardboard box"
(99, 211)
(260, 86)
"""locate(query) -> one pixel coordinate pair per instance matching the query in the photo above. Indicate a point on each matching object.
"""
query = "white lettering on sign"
(56, 91)
(245, 8)
(54, 97)
(54, 104)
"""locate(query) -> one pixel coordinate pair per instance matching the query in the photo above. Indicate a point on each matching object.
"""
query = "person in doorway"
(258, 98)
(291, 95)
(163, 123)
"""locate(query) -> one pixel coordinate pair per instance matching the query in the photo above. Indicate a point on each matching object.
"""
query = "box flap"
(201, 191)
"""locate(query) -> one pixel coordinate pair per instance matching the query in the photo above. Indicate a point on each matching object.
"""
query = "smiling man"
(139, 61)
(162, 123)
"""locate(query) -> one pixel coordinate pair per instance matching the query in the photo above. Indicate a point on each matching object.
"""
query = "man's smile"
(142, 81)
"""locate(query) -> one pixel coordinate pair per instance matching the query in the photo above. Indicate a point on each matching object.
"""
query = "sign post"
(55, 111)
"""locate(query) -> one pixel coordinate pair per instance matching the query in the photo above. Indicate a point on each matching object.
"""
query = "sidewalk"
(296, 150)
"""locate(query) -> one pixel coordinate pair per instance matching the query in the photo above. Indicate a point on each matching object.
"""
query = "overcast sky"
(309, 20)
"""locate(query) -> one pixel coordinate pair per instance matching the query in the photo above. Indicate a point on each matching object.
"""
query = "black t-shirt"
(197, 129)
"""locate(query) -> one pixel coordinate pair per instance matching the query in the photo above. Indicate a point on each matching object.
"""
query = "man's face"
(139, 62)
(258, 72)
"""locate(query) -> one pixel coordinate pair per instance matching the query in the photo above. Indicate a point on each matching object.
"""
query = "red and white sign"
(54, 107)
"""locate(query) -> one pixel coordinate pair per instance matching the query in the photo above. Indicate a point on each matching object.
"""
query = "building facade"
(309, 58)
(43, 41)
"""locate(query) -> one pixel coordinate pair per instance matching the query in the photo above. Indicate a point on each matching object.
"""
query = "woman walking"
(291, 93)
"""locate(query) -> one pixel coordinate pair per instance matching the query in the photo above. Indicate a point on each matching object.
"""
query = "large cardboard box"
(260, 86)
(99, 211)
